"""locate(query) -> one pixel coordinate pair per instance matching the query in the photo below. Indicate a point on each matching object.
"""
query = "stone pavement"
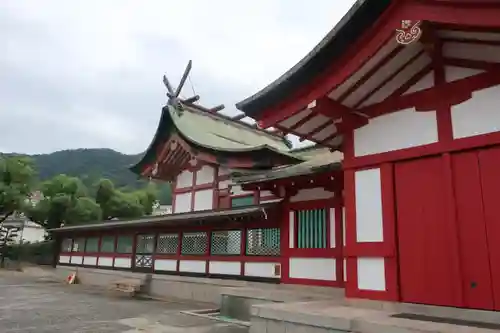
(34, 304)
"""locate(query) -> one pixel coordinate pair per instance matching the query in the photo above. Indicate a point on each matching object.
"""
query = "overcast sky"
(88, 73)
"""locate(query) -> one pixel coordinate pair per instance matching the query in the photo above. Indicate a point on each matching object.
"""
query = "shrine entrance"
(449, 229)
(144, 249)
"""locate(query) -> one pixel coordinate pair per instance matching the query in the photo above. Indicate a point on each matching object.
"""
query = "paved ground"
(29, 304)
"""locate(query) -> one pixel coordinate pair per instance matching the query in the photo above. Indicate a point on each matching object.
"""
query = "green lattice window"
(194, 243)
(311, 229)
(79, 245)
(226, 242)
(108, 244)
(263, 242)
(242, 201)
(124, 244)
(92, 244)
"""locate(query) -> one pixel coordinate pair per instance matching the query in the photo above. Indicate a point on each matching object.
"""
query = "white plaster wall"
(478, 115)
(332, 228)
(184, 179)
(309, 194)
(224, 184)
(371, 274)
(105, 262)
(224, 267)
(64, 259)
(425, 83)
(123, 262)
(453, 73)
(76, 260)
(204, 199)
(343, 226)
(192, 266)
(205, 175)
(165, 265)
(90, 260)
(182, 202)
(394, 131)
(291, 228)
(369, 220)
(313, 268)
(32, 234)
(261, 269)
(345, 269)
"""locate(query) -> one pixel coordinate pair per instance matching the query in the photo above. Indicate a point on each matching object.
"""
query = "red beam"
(470, 41)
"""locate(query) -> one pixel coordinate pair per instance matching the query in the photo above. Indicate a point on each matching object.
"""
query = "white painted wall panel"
(313, 268)
(90, 260)
(64, 259)
(105, 262)
(478, 115)
(425, 83)
(182, 202)
(205, 175)
(261, 269)
(311, 194)
(369, 218)
(204, 199)
(224, 267)
(343, 226)
(332, 228)
(224, 184)
(453, 73)
(165, 265)
(291, 227)
(76, 260)
(192, 266)
(184, 179)
(345, 270)
(123, 262)
(371, 274)
(394, 131)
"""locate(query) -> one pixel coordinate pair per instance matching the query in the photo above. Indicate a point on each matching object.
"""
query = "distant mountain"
(92, 164)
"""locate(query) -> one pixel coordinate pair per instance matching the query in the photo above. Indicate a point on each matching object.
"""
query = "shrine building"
(409, 92)
(394, 202)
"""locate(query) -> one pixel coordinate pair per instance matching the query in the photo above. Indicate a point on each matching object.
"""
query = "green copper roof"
(317, 160)
(213, 132)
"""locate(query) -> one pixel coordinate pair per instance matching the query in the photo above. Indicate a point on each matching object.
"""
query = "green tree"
(16, 182)
(117, 203)
(65, 201)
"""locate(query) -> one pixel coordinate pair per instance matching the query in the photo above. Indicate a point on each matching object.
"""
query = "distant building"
(162, 210)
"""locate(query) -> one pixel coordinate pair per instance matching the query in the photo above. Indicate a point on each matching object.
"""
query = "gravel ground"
(30, 304)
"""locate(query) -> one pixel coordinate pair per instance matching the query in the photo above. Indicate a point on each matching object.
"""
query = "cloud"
(87, 73)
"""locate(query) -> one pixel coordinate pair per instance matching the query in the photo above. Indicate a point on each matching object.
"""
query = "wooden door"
(426, 237)
(472, 236)
(489, 162)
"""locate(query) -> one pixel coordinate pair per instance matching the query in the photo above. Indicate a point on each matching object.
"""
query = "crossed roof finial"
(173, 96)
